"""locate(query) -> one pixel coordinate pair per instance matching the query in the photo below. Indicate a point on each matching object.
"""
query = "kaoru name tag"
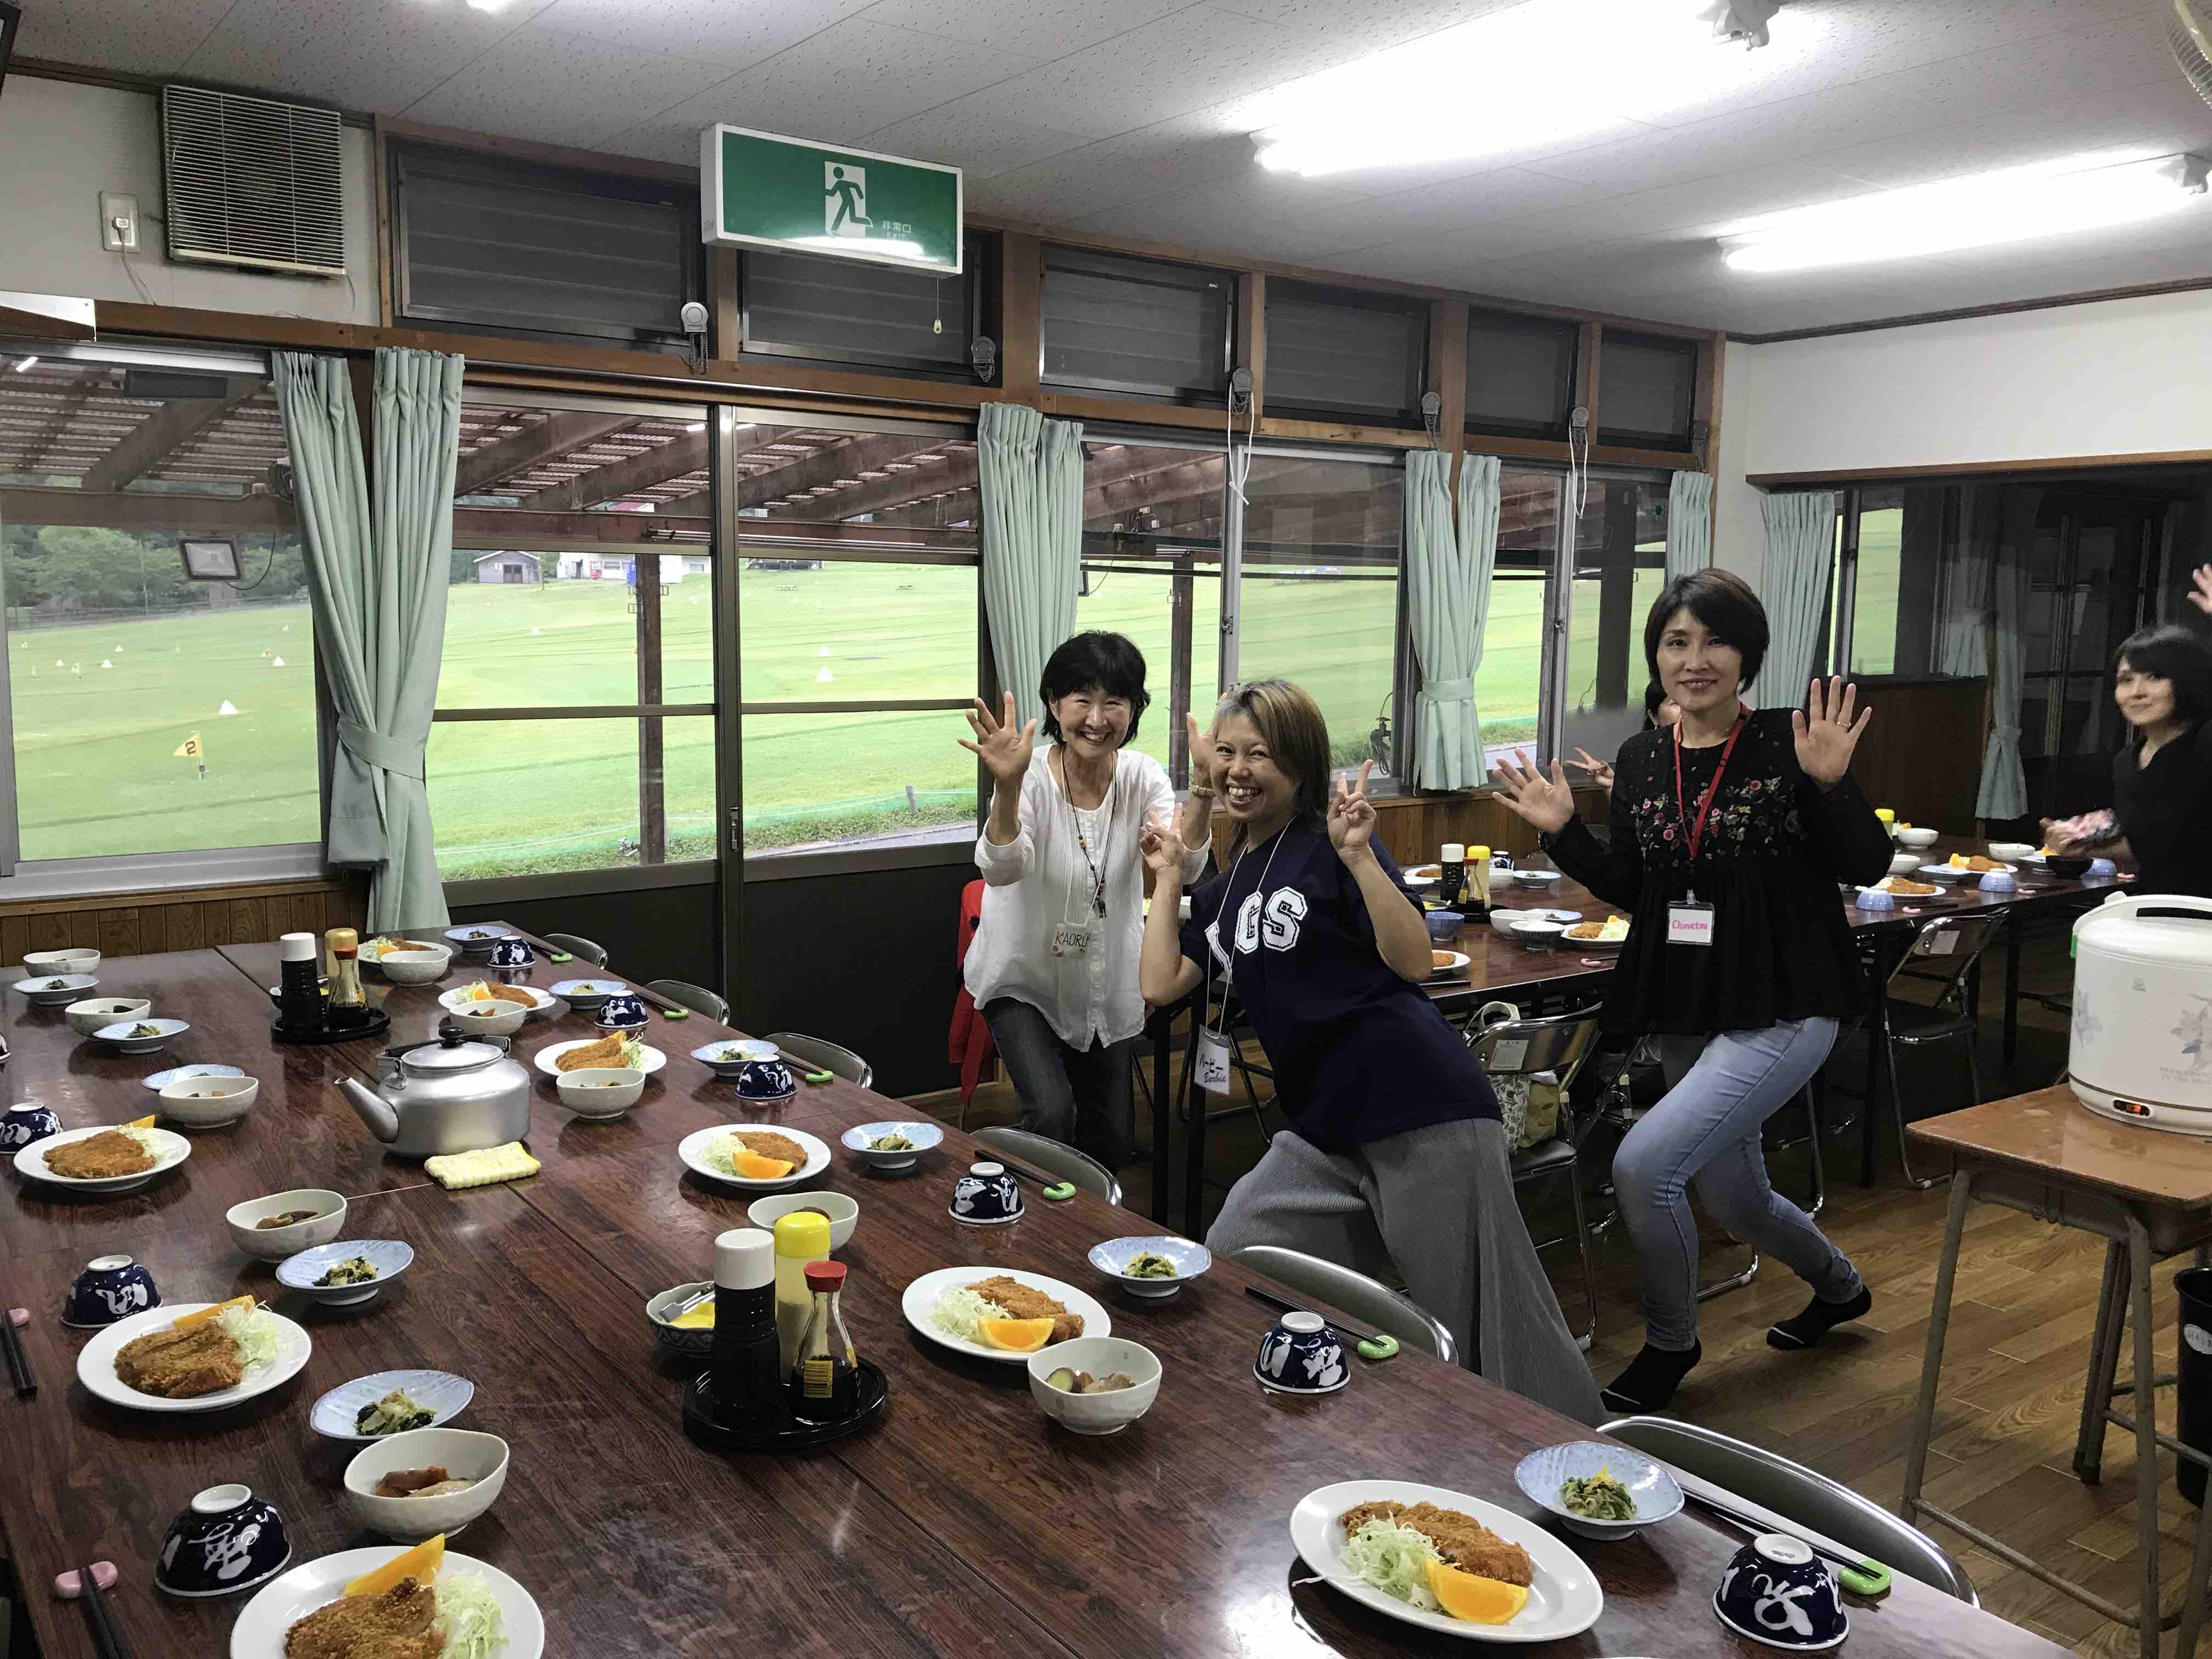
(1689, 923)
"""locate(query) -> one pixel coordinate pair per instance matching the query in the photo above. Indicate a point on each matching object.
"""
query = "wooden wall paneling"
(1706, 405)
(135, 924)
(1448, 374)
(1251, 342)
(1921, 756)
(1021, 318)
(1587, 350)
(387, 247)
(115, 932)
(14, 938)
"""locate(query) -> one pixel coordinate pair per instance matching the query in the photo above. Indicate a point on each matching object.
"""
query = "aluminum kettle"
(452, 1095)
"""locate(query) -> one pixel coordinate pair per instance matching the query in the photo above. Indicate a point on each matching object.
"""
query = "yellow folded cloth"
(484, 1167)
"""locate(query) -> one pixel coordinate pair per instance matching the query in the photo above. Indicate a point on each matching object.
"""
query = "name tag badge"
(1689, 923)
(1070, 940)
(1212, 1062)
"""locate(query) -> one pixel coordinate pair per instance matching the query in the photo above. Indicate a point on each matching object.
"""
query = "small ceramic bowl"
(415, 966)
(1917, 838)
(25, 1121)
(119, 1034)
(55, 990)
(276, 1244)
(208, 1103)
(586, 994)
(2103, 867)
(1301, 1355)
(987, 1196)
(1101, 1356)
(2068, 866)
(86, 1016)
(1444, 925)
(110, 1288)
(1776, 1592)
(512, 951)
(600, 1091)
(1999, 881)
(75, 959)
(1113, 1258)
(227, 1541)
(1942, 874)
(844, 1214)
(477, 940)
(625, 1012)
(1533, 879)
(489, 1019)
(923, 1135)
(463, 1454)
(1904, 864)
(1537, 933)
(692, 1343)
(1874, 898)
(1649, 1485)
(2010, 852)
(390, 1257)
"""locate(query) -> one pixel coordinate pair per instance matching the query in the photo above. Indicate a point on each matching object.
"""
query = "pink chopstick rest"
(70, 1585)
(19, 1315)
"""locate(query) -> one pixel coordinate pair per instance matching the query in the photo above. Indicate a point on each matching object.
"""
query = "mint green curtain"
(377, 567)
(1965, 648)
(1448, 556)
(1800, 544)
(2003, 793)
(1030, 471)
(1689, 523)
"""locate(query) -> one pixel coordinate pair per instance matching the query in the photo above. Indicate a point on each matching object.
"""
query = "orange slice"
(420, 1564)
(1015, 1335)
(193, 1320)
(754, 1167)
(146, 1123)
(1473, 1600)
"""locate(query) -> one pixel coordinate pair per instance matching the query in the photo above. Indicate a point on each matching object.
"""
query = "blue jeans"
(1705, 1129)
(1074, 1096)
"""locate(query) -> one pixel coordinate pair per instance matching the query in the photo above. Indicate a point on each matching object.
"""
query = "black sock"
(1651, 1378)
(1817, 1320)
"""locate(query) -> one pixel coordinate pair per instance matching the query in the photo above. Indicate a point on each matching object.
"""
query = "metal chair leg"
(1583, 1245)
(1706, 1293)
(2146, 1416)
(1819, 1162)
(2104, 1365)
(1897, 1111)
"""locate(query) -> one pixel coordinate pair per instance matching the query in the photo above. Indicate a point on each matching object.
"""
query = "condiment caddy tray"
(789, 1435)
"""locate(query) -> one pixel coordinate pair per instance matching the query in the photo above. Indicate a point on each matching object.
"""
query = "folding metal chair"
(824, 1055)
(1354, 1293)
(577, 946)
(1944, 952)
(697, 998)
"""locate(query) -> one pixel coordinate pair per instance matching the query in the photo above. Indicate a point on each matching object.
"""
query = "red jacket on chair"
(971, 1035)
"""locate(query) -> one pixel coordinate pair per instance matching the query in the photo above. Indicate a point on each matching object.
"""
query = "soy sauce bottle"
(825, 1382)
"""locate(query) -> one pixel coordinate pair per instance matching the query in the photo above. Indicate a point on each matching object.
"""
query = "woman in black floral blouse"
(1729, 832)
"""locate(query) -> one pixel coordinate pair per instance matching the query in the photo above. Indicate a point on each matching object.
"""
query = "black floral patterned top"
(1774, 848)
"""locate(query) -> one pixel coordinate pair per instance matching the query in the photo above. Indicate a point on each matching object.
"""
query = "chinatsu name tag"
(1689, 923)
(1070, 940)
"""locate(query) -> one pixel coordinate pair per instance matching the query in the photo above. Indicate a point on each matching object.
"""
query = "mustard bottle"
(801, 1238)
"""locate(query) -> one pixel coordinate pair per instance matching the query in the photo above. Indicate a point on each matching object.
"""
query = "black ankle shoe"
(1651, 1378)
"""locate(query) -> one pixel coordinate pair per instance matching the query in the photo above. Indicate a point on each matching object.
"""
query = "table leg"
(2012, 987)
(1162, 1060)
(1939, 1325)
(1194, 1143)
(2146, 1416)
(2104, 1363)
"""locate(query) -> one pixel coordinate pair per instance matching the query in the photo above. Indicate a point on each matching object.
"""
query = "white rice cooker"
(2142, 1048)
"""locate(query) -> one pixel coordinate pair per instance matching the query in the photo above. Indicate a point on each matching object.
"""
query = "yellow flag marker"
(190, 749)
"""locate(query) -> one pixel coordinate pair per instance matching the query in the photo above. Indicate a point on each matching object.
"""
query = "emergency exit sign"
(760, 190)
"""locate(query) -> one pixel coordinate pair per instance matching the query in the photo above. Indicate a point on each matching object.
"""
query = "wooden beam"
(646, 470)
(167, 430)
(1021, 317)
(825, 467)
(46, 316)
(560, 431)
(937, 476)
(1251, 342)
(1448, 373)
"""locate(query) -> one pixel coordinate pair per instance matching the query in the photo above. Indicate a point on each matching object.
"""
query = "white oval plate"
(925, 1136)
(161, 1080)
(390, 1257)
(95, 1363)
(170, 1149)
(692, 1149)
(1458, 960)
(1564, 1601)
(921, 1296)
(286, 1600)
(653, 1061)
(1112, 1256)
(453, 1001)
(442, 1394)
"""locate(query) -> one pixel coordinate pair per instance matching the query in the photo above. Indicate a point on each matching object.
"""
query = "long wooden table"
(965, 1524)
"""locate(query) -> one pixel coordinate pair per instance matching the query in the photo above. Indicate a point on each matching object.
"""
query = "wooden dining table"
(962, 1523)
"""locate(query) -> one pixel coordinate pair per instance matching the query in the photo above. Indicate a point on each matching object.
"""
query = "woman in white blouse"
(1053, 964)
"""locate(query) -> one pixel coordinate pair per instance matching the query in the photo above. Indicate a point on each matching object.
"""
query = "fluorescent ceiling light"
(2051, 199)
(24, 365)
(1538, 72)
(487, 5)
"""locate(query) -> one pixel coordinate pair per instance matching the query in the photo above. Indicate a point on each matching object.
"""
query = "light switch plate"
(123, 237)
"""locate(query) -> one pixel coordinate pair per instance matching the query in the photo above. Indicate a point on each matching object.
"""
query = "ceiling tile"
(145, 36)
(1245, 215)
(1156, 161)
(1365, 26)
(381, 55)
(1704, 202)
(2033, 74)
(1454, 204)
(561, 88)
(963, 137)
(1037, 28)
(854, 77)
(713, 31)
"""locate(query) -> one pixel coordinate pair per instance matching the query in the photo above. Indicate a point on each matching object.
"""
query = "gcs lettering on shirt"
(1275, 919)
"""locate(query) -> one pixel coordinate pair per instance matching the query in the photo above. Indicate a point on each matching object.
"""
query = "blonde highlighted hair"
(1293, 726)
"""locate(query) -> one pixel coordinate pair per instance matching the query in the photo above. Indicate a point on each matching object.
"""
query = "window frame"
(1520, 322)
(486, 166)
(979, 271)
(30, 879)
(1681, 346)
(1138, 268)
(1415, 311)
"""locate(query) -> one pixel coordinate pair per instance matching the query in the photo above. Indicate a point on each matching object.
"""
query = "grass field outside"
(97, 775)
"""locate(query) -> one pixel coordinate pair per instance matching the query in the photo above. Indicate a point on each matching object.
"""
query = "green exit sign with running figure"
(760, 190)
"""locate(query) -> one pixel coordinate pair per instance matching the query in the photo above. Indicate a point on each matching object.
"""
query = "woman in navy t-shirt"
(1394, 1155)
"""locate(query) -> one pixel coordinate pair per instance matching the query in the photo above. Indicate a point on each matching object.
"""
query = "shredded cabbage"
(959, 1309)
(469, 1618)
(1396, 1561)
(257, 1334)
(145, 1138)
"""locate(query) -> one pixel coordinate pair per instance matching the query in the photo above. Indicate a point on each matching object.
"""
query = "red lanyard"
(1697, 831)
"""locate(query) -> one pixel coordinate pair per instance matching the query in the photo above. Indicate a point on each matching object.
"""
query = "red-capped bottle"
(825, 1381)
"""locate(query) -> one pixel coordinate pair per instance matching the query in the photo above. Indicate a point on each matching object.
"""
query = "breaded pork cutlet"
(763, 1143)
(393, 1626)
(1020, 1302)
(99, 1157)
(181, 1364)
(1462, 1540)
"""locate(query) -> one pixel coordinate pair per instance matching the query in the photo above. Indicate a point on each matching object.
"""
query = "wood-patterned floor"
(2013, 1367)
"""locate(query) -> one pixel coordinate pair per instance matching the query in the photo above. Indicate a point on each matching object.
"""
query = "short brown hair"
(1293, 727)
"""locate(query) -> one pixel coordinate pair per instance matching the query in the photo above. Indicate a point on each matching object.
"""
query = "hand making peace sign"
(1351, 815)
